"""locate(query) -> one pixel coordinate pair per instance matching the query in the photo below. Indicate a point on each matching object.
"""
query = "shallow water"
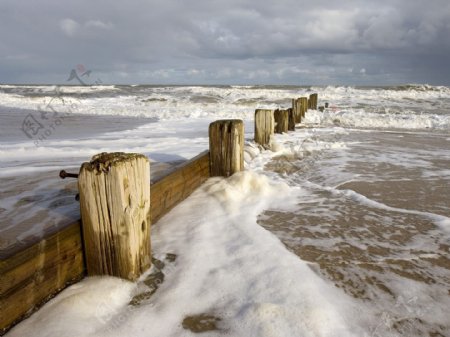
(33, 199)
(374, 221)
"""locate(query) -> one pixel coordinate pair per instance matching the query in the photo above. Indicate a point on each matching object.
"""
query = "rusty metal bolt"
(63, 175)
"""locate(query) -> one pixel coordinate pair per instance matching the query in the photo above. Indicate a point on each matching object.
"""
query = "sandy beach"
(375, 233)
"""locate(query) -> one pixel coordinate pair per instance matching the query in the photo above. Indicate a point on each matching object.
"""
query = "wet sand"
(387, 252)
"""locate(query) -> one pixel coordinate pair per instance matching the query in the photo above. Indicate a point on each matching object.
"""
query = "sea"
(339, 228)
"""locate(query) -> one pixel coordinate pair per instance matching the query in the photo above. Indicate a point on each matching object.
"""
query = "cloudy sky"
(351, 42)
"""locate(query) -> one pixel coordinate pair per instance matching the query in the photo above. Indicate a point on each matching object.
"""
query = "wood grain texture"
(312, 101)
(177, 185)
(295, 111)
(299, 110)
(291, 122)
(303, 101)
(281, 121)
(264, 126)
(226, 147)
(115, 211)
(32, 276)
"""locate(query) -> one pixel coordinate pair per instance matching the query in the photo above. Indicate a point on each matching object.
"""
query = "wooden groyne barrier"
(32, 276)
(268, 122)
(118, 204)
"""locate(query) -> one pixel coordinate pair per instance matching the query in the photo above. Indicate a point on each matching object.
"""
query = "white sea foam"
(80, 310)
(227, 266)
(358, 118)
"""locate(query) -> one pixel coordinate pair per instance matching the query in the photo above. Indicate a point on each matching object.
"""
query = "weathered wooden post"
(115, 211)
(296, 109)
(299, 110)
(291, 123)
(264, 126)
(281, 121)
(226, 147)
(313, 101)
(303, 105)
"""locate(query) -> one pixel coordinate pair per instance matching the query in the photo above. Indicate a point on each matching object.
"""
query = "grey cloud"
(234, 41)
(72, 28)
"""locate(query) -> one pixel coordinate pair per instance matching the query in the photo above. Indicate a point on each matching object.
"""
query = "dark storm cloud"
(233, 41)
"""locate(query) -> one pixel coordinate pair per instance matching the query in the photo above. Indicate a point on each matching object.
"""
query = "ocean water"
(342, 228)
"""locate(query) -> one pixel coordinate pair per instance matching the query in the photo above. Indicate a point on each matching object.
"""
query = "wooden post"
(264, 126)
(291, 123)
(281, 121)
(115, 211)
(313, 101)
(303, 105)
(296, 109)
(299, 111)
(226, 147)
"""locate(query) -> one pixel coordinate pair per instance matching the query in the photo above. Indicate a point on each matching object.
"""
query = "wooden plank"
(33, 275)
(176, 186)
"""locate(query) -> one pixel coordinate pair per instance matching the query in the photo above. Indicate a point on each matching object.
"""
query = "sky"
(316, 42)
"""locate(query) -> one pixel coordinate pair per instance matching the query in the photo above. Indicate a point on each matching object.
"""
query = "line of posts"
(114, 190)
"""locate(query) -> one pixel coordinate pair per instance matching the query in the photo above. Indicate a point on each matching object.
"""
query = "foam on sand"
(227, 266)
(75, 311)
